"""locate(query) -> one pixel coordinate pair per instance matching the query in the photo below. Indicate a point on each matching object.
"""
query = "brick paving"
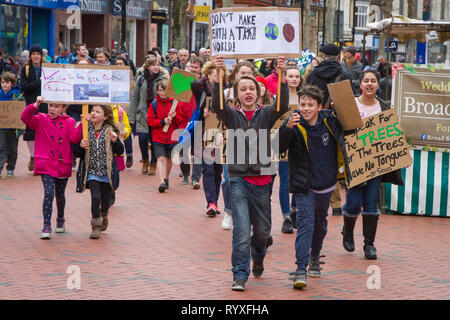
(163, 246)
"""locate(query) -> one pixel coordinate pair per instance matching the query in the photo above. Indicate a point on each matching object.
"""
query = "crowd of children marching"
(312, 135)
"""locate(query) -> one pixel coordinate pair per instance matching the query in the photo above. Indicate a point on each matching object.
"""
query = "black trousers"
(100, 197)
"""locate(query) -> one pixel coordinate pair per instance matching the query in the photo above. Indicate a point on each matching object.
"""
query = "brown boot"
(144, 166)
(152, 170)
(31, 164)
(96, 228)
(105, 221)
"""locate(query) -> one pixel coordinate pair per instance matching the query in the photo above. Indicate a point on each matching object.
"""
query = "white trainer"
(227, 222)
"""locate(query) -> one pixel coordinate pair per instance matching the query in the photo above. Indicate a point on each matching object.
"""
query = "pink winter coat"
(272, 82)
(53, 153)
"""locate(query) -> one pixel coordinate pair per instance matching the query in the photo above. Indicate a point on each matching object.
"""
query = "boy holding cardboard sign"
(9, 137)
(315, 140)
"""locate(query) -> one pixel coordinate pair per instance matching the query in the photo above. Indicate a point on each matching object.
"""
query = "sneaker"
(269, 241)
(299, 279)
(314, 267)
(10, 174)
(166, 181)
(211, 211)
(185, 180)
(257, 269)
(195, 184)
(238, 285)
(46, 233)
(162, 187)
(337, 212)
(227, 222)
(287, 225)
(293, 215)
(60, 225)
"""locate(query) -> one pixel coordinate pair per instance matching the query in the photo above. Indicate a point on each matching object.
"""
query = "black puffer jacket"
(263, 118)
(329, 71)
(295, 140)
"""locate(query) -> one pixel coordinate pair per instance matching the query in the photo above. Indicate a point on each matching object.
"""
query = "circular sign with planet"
(271, 31)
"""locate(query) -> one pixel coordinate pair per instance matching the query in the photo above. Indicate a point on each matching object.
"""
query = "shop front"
(200, 26)
(26, 22)
(136, 36)
(94, 22)
(159, 27)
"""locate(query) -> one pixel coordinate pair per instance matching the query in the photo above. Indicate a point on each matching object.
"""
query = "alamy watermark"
(374, 279)
(74, 280)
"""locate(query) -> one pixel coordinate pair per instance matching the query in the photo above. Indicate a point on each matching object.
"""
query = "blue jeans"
(312, 212)
(226, 190)
(283, 171)
(250, 208)
(129, 145)
(363, 196)
(212, 178)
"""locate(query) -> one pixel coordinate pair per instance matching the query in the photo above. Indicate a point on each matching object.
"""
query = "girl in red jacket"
(158, 116)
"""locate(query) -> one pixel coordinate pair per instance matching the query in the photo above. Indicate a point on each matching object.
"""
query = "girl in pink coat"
(53, 156)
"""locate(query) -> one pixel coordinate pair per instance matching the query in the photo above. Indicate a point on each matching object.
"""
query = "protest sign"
(10, 112)
(81, 84)
(422, 101)
(275, 154)
(180, 85)
(341, 94)
(255, 32)
(377, 148)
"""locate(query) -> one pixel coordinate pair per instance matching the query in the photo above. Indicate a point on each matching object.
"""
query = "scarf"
(150, 78)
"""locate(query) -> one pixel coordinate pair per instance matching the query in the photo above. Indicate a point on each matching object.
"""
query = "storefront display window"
(130, 36)
(14, 29)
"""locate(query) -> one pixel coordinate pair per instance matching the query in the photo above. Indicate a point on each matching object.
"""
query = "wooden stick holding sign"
(85, 110)
(279, 70)
(221, 88)
(179, 88)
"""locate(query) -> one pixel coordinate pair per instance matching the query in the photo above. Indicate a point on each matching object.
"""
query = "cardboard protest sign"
(215, 131)
(275, 154)
(422, 101)
(180, 85)
(377, 148)
(10, 112)
(341, 94)
(81, 84)
(255, 32)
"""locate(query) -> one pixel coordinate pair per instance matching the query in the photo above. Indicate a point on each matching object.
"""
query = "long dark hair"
(107, 110)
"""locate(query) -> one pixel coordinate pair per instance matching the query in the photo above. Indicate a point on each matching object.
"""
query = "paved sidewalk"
(163, 246)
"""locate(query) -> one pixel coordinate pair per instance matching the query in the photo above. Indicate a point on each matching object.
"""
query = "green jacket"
(138, 108)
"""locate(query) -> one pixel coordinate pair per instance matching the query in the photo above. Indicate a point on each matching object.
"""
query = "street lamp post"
(123, 42)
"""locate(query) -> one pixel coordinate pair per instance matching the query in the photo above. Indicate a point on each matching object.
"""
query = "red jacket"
(272, 82)
(157, 122)
(186, 110)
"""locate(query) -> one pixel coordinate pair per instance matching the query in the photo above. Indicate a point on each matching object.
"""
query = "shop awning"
(406, 29)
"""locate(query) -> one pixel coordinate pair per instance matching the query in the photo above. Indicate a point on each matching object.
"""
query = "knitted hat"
(36, 48)
(262, 80)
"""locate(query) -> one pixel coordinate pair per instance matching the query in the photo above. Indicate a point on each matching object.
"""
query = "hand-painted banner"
(255, 32)
(422, 100)
(85, 84)
(10, 112)
(180, 85)
(377, 148)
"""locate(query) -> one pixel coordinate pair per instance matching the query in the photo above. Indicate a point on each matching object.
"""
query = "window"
(361, 12)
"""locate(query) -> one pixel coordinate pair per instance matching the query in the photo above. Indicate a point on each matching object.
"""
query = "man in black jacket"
(329, 71)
